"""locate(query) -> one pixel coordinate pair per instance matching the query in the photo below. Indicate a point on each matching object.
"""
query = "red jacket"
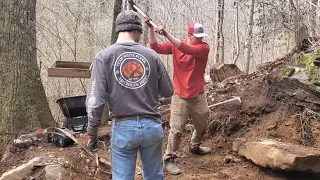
(189, 63)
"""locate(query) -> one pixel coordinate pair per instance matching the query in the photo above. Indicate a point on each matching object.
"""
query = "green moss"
(314, 71)
(309, 73)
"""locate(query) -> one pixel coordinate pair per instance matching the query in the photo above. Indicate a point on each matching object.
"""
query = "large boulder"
(21, 172)
(279, 155)
(307, 70)
(221, 71)
(39, 168)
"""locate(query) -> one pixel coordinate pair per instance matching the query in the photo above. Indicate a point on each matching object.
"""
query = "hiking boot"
(171, 167)
(200, 150)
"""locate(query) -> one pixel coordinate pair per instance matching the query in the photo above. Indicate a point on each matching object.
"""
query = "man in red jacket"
(190, 57)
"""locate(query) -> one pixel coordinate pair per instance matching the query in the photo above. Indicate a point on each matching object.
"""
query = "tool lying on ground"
(135, 8)
(235, 98)
(62, 137)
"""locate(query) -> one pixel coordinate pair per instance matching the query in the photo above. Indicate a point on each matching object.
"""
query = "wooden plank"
(69, 72)
(72, 64)
(70, 69)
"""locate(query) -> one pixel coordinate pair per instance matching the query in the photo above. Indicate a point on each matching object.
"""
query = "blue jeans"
(130, 136)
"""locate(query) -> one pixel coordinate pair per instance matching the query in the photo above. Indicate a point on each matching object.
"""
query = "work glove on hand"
(147, 21)
(161, 30)
(93, 142)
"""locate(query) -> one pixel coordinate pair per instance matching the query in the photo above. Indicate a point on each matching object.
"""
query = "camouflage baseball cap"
(128, 21)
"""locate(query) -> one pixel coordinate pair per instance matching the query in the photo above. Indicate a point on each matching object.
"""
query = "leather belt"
(135, 117)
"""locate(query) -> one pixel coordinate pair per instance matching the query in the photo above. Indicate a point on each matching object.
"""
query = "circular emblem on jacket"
(132, 70)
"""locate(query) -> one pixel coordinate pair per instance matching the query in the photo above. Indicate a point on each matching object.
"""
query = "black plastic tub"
(73, 106)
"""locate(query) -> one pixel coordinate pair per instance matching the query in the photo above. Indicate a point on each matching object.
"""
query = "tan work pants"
(180, 110)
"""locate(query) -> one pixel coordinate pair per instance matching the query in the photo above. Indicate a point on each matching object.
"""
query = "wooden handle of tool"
(154, 25)
(133, 5)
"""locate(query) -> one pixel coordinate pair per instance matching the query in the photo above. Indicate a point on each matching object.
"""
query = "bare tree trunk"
(236, 57)
(263, 33)
(219, 36)
(216, 43)
(300, 30)
(274, 40)
(23, 103)
(313, 18)
(125, 5)
(288, 42)
(318, 19)
(145, 38)
(116, 11)
(221, 31)
(249, 38)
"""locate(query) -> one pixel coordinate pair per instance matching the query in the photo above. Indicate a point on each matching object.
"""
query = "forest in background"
(244, 32)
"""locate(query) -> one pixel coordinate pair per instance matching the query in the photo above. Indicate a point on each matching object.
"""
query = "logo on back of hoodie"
(132, 70)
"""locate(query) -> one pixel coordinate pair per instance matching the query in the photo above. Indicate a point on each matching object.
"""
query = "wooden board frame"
(70, 69)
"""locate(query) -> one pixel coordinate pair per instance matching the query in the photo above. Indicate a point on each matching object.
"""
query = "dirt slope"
(271, 107)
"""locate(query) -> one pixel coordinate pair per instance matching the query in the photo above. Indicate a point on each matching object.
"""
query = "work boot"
(200, 150)
(171, 167)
